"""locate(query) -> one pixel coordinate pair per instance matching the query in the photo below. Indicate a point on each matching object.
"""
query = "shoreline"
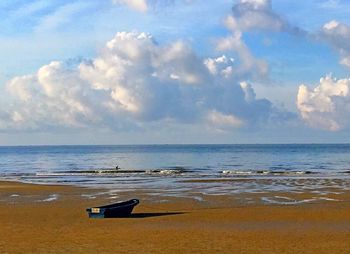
(238, 191)
(218, 224)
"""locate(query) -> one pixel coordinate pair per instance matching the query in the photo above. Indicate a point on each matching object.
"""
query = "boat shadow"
(149, 215)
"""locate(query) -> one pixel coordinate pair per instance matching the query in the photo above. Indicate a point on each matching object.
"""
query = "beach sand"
(52, 219)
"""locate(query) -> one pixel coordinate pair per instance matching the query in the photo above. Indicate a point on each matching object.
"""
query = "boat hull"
(116, 210)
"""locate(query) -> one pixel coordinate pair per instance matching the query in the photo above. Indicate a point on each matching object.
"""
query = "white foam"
(288, 201)
(235, 172)
(328, 199)
(88, 196)
(51, 198)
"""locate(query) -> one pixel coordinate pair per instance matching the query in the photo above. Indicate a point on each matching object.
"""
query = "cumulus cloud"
(327, 106)
(252, 15)
(258, 15)
(250, 66)
(146, 80)
(338, 36)
(54, 96)
(134, 81)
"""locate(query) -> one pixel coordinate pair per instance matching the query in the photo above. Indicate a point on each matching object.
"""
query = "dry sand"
(28, 224)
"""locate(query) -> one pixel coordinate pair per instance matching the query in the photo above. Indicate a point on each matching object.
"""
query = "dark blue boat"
(120, 209)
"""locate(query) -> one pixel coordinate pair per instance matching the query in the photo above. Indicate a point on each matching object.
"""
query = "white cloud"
(251, 15)
(139, 5)
(258, 15)
(331, 4)
(54, 96)
(146, 5)
(249, 94)
(249, 65)
(222, 121)
(220, 65)
(146, 80)
(31, 8)
(338, 36)
(135, 81)
(62, 15)
(327, 106)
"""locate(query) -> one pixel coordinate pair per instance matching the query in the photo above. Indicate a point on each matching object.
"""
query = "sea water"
(176, 169)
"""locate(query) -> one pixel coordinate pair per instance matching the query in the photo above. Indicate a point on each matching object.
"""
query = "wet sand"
(52, 219)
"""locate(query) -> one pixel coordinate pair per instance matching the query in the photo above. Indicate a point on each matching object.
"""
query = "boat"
(115, 210)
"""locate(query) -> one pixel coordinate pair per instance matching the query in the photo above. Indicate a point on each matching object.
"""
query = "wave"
(265, 172)
(112, 172)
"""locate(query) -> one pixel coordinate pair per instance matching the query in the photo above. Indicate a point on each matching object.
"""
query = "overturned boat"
(120, 209)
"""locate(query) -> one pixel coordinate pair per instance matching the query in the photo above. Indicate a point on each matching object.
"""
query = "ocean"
(178, 169)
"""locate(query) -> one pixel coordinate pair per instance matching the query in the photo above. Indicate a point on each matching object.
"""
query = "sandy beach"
(52, 219)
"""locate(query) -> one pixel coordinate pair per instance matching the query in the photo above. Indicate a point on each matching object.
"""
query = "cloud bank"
(328, 105)
(135, 81)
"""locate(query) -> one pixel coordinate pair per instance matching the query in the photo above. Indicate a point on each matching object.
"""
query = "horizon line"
(176, 144)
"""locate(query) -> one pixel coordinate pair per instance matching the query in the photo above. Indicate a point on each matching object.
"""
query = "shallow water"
(171, 169)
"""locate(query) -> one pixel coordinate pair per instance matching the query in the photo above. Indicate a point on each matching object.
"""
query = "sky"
(174, 71)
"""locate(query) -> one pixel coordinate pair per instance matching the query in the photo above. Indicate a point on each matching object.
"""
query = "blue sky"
(176, 71)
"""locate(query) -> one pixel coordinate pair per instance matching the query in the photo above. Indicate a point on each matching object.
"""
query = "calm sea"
(177, 168)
